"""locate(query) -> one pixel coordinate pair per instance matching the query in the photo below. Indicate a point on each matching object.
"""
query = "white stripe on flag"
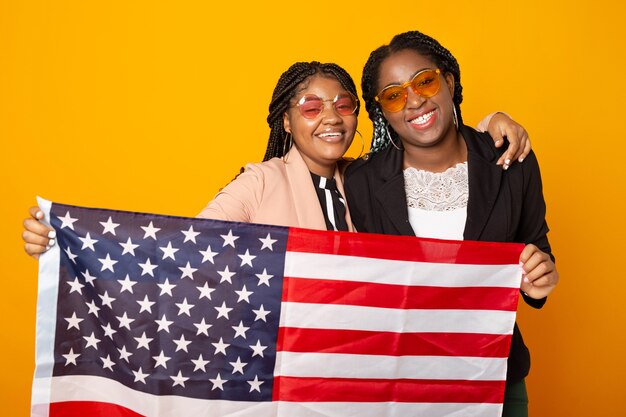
(72, 388)
(337, 365)
(385, 271)
(48, 289)
(343, 317)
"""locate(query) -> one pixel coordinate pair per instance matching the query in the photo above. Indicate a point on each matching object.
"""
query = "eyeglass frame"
(302, 99)
(407, 84)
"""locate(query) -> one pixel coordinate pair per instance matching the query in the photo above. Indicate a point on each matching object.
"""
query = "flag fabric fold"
(150, 315)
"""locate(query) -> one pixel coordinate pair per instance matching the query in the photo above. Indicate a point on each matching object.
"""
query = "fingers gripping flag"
(149, 315)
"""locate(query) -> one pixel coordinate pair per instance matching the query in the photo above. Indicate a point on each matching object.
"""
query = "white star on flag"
(229, 239)
(93, 308)
(256, 384)
(129, 247)
(246, 258)
(264, 278)
(70, 255)
(127, 284)
(109, 226)
(240, 330)
(238, 365)
(169, 251)
(92, 341)
(150, 231)
(261, 313)
(166, 287)
(244, 294)
(106, 299)
(218, 382)
(226, 275)
(203, 327)
(220, 347)
(107, 263)
(267, 242)
(108, 331)
(223, 310)
(164, 324)
(161, 360)
(76, 286)
(73, 321)
(67, 221)
(147, 268)
(258, 349)
(190, 234)
(125, 321)
(124, 354)
(205, 291)
(107, 362)
(146, 305)
(187, 271)
(181, 344)
(143, 341)
(208, 255)
(179, 379)
(88, 242)
(184, 307)
(200, 363)
(88, 277)
(140, 376)
(71, 357)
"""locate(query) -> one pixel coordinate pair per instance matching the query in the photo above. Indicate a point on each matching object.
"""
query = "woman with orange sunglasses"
(431, 176)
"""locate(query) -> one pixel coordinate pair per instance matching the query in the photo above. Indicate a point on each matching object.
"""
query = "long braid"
(287, 88)
(422, 44)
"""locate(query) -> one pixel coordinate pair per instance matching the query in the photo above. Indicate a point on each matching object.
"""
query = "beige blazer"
(273, 192)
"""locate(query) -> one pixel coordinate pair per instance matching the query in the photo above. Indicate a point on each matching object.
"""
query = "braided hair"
(422, 44)
(286, 89)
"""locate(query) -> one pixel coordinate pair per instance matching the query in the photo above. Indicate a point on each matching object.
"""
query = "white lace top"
(437, 201)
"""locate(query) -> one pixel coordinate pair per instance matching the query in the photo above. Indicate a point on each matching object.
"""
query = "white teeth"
(329, 135)
(423, 118)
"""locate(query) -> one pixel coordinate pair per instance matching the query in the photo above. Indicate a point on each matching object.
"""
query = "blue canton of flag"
(169, 306)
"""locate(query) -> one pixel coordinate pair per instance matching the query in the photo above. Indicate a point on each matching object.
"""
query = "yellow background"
(143, 106)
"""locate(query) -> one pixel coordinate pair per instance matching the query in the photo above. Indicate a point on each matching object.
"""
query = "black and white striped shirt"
(332, 202)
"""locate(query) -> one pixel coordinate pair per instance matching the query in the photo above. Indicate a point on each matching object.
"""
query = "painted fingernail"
(39, 214)
(51, 243)
(47, 248)
(507, 161)
(505, 167)
(526, 280)
(521, 159)
(52, 234)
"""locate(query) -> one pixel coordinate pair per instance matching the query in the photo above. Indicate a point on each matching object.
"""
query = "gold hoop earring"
(288, 138)
(389, 136)
(362, 145)
(455, 117)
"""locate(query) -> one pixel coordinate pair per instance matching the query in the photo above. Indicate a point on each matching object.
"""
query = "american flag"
(151, 315)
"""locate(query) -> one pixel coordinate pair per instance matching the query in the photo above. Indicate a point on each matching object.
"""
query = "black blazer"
(503, 206)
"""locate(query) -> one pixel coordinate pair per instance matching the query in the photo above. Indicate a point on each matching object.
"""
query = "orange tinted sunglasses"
(425, 83)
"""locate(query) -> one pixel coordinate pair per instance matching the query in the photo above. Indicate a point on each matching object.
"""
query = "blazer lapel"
(484, 183)
(305, 201)
(391, 195)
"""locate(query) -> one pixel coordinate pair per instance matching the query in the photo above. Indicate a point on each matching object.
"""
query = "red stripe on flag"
(385, 390)
(393, 344)
(90, 408)
(321, 291)
(406, 248)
